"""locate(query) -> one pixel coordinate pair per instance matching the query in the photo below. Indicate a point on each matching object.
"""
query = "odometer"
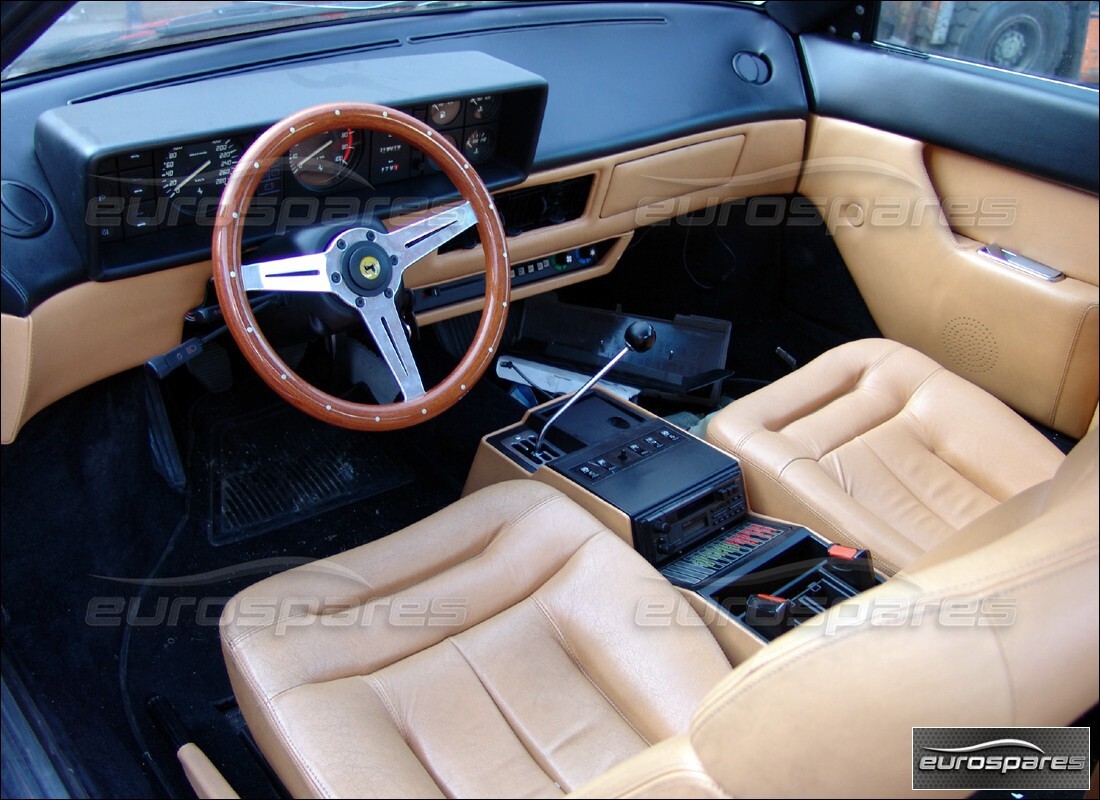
(189, 173)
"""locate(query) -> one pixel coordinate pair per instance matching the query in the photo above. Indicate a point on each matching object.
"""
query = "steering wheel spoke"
(386, 327)
(418, 239)
(307, 273)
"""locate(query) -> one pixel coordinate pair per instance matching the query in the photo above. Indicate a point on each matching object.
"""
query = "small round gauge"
(322, 161)
(479, 145)
(191, 172)
(443, 114)
(482, 108)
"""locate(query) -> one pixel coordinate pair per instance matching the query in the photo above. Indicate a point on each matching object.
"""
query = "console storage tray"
(771, 576)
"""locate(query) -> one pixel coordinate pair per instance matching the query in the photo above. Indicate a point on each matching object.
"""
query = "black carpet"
(270, 469)
(113, 584)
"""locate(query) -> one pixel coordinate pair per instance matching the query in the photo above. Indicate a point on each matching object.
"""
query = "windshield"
(96, 29)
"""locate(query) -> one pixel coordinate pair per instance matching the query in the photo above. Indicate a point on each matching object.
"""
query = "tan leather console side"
(90, 332)
(1031, 343)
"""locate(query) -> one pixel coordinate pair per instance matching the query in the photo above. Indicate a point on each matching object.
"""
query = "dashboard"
(150, 198)
(587, 121)
(615, 78)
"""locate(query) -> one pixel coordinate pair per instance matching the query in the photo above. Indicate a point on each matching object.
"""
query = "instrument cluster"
(186, 180)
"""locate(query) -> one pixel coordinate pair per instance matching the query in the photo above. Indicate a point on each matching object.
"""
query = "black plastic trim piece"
(24, 23)
(35, 764)
(1040, 126)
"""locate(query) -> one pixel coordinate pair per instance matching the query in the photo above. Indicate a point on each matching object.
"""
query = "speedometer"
(324, 160)
(190, 173)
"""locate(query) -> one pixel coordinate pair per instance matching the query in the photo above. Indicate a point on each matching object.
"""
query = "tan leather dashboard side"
(88, 333)
(755, 159)
(1030, 342)
(95, 330)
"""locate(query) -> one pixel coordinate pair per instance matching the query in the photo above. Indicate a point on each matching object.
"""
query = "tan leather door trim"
(1029, 342)
(1053, 224)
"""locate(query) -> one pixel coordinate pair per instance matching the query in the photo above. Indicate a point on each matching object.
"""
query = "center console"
(681, 503)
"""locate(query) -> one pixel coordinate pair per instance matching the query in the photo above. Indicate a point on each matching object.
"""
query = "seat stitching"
(387, 701)
(1008, 671)
(280, 730)
(576, 661)
(840, 535)
(918, 426)
(1037, 570)
(736, 446)
(905, 486)
(492, 540)
(395, 718)
(599, 531)
(515, 733)
(891, 418)
(856, 386)
(1069, 358)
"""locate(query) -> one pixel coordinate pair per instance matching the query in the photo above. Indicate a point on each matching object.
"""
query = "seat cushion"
(493, 649)
(875, 445)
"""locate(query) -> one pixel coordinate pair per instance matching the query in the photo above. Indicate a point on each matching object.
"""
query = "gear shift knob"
(640, 336)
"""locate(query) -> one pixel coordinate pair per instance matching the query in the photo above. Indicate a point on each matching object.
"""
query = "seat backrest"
(996, 627)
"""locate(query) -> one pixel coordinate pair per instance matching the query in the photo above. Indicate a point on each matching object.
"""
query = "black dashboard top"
(618, 75)
(150, 192)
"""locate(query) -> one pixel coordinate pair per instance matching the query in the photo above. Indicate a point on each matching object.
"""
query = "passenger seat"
(875, 445)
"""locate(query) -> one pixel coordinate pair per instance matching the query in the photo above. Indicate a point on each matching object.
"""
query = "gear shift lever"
(639, 337)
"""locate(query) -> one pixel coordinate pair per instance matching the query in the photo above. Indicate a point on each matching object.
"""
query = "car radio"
(680, 522)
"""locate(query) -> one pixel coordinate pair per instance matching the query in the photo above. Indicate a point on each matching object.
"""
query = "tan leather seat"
(490, 650)
(495, 649)
(994, 627)
(874, 444)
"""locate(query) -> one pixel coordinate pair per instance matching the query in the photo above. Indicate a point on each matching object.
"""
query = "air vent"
(538, 207)
(25, 211)
(752, 68)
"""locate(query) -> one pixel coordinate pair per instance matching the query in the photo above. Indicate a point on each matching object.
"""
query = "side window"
(1050, 38)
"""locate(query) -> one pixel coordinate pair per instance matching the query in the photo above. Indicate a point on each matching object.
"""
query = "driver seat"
(488, 650)
(510, 645)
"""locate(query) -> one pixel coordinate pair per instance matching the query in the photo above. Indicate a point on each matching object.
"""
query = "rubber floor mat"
(274, 468)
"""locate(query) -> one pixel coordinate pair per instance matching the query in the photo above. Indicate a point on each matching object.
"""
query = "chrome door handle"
(1021, 263)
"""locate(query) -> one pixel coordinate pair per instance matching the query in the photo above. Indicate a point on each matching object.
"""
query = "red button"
(840, 551)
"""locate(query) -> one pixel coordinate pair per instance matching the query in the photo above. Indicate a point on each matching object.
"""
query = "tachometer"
(190, 173)
(322, 161)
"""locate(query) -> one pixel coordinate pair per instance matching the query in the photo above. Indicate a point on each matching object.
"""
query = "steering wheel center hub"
(368, 269)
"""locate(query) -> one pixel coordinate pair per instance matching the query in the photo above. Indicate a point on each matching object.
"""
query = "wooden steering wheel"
(363, 268)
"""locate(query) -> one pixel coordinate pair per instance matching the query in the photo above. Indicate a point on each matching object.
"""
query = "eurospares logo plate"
(1001, 758)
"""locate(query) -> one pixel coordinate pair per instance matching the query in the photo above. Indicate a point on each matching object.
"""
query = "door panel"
(1031, 342)
(1042, 220)
(1039, 126)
